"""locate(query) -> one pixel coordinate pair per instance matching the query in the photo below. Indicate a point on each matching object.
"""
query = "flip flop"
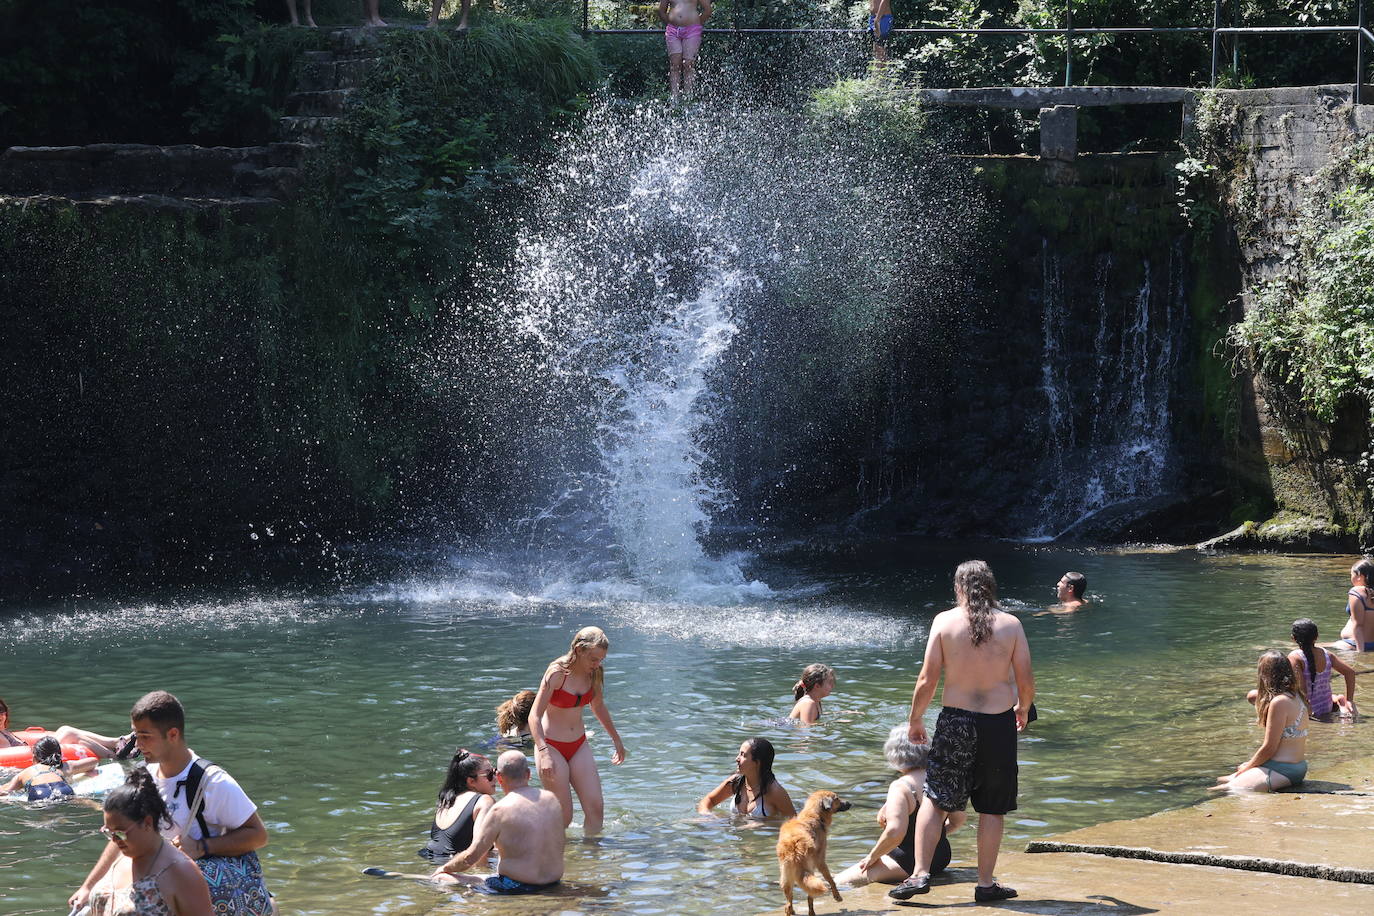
(375, 872)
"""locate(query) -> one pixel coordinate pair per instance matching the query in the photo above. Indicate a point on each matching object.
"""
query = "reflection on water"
(339, 713)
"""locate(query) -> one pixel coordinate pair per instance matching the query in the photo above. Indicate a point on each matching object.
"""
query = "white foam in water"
(59, 628)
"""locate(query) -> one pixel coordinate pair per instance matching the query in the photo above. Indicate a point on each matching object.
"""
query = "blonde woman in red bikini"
(683, 23)
(565, 761)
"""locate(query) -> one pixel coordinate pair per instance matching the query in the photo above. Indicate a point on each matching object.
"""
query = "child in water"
(683, 22)
(815, 684)
(513, 716)
(1313, 667)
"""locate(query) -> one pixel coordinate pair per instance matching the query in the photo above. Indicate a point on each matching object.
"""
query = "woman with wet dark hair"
(1313, 666)
(152, 877)
(465, 797)
(753, 790)
(48, 777)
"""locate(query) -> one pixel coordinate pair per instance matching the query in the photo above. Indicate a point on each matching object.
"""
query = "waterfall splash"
(630, 274)
(698, 302)
(1107, 423)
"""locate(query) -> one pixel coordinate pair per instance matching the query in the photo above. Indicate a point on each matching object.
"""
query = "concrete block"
(1059, 133)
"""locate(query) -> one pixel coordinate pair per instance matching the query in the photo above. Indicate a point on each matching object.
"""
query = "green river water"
(338, 712)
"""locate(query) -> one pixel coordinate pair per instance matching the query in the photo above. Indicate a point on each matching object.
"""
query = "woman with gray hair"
(893, 856)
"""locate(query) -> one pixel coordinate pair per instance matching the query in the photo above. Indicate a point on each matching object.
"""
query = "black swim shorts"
(973, 757)
(500, 884)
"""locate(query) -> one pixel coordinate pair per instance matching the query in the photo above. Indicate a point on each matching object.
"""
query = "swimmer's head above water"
(463, 769)
(513, 716)
(1072, 586)
(812, 676)
(47, 751)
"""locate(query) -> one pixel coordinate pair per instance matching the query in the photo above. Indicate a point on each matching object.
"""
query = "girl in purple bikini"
(683, 22)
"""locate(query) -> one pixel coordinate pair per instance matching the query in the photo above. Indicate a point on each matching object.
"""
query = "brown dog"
(801, 850)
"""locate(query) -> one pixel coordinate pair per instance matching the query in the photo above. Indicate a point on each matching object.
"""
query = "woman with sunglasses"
(466, 796)
(152, 877)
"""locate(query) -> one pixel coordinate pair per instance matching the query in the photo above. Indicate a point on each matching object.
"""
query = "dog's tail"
(814, 886)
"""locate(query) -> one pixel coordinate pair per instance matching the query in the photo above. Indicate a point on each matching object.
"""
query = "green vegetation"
(184, 374)
(1313, 328)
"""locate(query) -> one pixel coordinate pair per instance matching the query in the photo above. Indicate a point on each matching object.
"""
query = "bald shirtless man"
(982, 652)
(526, 827)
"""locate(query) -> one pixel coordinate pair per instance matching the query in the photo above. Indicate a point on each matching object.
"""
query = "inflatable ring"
(22, 756)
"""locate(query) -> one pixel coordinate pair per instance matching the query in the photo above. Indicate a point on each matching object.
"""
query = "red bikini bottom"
(567, 748)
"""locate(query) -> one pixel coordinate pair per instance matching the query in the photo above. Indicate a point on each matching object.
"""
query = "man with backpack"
(213, 820)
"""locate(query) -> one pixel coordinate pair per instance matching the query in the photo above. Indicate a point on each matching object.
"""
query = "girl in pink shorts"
(683, 24)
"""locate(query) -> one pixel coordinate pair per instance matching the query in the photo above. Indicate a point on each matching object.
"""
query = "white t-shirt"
(226, 805)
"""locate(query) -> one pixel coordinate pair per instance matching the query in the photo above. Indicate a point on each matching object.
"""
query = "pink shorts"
(677, 35)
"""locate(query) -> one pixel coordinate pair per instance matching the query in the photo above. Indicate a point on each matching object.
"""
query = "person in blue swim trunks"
(880, 12)
(525, 826)
(1358, 632)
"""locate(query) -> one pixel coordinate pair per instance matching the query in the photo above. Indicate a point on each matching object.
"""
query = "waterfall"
(1108, 393)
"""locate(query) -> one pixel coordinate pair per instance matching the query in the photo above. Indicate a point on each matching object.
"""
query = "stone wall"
(1287, 137)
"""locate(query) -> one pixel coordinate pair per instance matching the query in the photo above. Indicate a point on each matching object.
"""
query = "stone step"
(323, 103)
(316, 76)
(305, 128)
(248, 205)
(184, 171)
(321, 76)
(351, 72)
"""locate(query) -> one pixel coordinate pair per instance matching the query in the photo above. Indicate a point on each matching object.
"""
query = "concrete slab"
(1072, 884)
(1323, 827)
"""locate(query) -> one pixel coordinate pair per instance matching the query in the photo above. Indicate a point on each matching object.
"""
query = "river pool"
(338, 712)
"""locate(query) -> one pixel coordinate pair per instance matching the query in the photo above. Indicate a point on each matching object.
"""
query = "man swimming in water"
(526, 827)
(1070, 589)
(982, 652)
(684, 22)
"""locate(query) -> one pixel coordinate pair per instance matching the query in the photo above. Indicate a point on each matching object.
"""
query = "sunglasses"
(119, 836)
(490, 774)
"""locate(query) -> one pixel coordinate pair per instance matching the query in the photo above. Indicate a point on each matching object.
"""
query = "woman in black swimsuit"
(48, 776)
(893, 856)
(466, 796)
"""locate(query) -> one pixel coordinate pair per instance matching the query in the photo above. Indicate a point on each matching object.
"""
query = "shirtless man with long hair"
(981, 650)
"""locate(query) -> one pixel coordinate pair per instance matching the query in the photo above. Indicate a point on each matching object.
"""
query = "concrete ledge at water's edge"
(1258, 853)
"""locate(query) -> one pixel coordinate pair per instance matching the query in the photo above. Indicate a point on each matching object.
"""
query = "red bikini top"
(564, 699)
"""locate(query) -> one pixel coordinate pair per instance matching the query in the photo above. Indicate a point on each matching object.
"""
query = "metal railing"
(1360, 31)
